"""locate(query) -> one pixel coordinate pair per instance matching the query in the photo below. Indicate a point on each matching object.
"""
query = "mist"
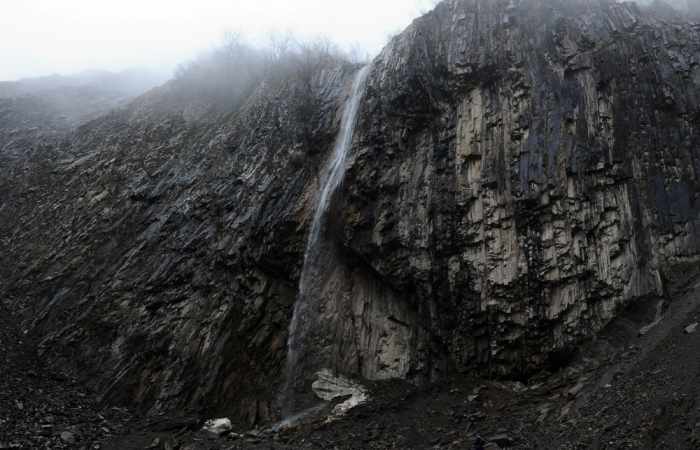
(45, 37)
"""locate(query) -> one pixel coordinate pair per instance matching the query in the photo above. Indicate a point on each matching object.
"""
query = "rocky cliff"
(525, 170)
(158, 247)
(521, 171)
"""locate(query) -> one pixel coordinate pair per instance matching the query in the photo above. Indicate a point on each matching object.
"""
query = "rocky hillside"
(521, 172)
(164, 243)
(72, 100)
(37, 113)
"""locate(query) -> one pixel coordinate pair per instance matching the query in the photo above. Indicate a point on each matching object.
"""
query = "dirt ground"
(625, 390)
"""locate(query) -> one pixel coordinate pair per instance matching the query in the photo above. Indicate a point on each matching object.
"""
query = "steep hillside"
(524, 171)
(72, 100)
(521, 172)
(162, 245)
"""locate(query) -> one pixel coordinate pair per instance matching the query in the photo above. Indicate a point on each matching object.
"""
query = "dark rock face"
(519, 179)
(524, 169)
(161, 252)
(521, 171)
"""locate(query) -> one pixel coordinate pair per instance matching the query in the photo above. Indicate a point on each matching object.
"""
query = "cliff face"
(160, 251)
(520, 172)
(525, 169)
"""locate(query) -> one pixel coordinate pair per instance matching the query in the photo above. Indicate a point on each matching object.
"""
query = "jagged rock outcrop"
(161, 252)
(521, 171)
(36, 114)
(526, 169)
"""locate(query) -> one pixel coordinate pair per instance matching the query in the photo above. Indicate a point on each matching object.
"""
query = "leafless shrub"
(228, 74)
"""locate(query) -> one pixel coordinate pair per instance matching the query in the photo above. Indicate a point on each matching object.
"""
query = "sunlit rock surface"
(521, 170)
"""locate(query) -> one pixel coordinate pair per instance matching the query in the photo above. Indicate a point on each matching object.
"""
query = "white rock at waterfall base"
(329, 387)
(218, 427)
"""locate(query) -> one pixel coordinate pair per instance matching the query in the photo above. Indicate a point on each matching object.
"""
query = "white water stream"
(331, 178)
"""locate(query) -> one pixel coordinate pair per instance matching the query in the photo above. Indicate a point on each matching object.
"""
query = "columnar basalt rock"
(521, 171)
(526, 169)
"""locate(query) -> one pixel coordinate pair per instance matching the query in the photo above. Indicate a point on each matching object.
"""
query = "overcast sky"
(41, 37)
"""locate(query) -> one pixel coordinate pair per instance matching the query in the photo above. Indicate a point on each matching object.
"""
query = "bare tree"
(227, 74)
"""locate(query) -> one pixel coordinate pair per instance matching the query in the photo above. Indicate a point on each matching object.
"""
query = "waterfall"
(318, 256)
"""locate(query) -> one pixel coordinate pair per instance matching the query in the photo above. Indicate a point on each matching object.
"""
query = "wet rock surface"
(513, 187)
(158, 248)
(523, 171)
(621, 391)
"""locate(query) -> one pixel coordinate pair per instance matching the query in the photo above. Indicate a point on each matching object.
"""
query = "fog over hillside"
(129, 82)
(683, 5)
(74, 35)
(60, 102)
(366, 225)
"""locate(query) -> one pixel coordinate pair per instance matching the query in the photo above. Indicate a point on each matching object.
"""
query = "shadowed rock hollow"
(520, 172)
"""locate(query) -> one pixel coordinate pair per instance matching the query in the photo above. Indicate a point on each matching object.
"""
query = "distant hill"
(68, 101)
(673, 7)
(130, 82)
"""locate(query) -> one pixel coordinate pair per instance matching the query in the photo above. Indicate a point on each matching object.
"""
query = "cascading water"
(319, 256)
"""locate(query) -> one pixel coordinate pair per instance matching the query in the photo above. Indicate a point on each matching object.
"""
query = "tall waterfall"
(319, 255)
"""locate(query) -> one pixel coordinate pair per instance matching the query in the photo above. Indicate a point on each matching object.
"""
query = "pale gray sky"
(41, 37)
